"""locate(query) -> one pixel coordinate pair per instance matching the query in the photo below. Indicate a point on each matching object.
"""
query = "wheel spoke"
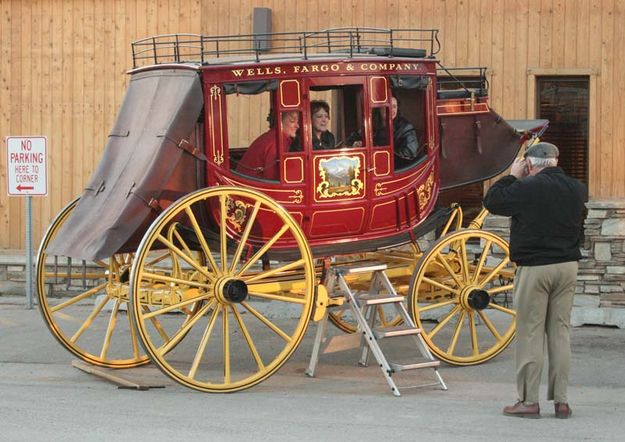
(440, 285)
(489, 324)
(447, 267)
(474, 342)
(278, 297)
(202, 347)
(183, 243)
(203, 243)
(226, 339)
(186, 258)
(262, 250)
(272, 272)
(182, 332)
(96, 310)
(157, 325)
(169, 279)
(78, 298)
(464, 264)
(444, 321)
(176, 306)
(109, 330)
(437, 305)
(133, 336)
(494, 272)
(267, 322)
(222, 232)
(244, 236)
(500, 289)
(454, 338)
(248, 338)
(157, 259)
(482, 260)
(502, 309)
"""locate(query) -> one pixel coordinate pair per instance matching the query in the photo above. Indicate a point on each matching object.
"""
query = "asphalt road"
(42, 397)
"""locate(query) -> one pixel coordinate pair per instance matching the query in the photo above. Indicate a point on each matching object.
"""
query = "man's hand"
(519, 169)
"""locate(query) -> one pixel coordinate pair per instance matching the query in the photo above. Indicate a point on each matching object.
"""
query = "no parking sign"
(27, 169)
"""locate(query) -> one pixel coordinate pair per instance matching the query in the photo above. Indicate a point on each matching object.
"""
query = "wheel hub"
(474, 298)
(231, 290)
(478, 299)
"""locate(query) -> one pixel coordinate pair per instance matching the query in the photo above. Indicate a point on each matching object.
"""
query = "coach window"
(252, 123)
(346, 122)
(410, 92)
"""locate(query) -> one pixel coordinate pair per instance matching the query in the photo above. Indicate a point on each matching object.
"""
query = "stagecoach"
(175, 254)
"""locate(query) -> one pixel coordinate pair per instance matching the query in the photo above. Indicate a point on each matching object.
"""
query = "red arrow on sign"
(20, 187)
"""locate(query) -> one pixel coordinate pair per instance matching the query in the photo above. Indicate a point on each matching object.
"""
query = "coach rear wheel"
(84, 306)
(252, 318)
(461, 297)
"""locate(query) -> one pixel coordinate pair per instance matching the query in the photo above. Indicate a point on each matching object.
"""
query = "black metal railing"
(466, 79)
(194, 48)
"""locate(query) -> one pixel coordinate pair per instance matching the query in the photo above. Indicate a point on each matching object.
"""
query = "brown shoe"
(519, 409)
(563, 411)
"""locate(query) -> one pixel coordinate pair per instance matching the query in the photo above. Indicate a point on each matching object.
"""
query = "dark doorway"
(564, 101)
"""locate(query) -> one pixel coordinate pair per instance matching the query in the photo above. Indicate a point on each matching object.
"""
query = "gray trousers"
(544, 298)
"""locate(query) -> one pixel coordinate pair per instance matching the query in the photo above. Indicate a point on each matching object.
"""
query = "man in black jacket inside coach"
(547, 208)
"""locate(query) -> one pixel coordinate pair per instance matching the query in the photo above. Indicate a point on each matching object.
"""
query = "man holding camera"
(546, 207)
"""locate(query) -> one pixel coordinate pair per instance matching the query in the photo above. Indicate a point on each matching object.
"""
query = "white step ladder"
(365, 308)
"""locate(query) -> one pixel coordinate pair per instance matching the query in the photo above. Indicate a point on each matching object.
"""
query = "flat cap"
(542, 150)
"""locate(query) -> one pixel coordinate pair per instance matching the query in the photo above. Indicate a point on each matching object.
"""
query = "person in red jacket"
(261, 158)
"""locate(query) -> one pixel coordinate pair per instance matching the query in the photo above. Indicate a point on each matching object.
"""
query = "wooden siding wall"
(63, 65)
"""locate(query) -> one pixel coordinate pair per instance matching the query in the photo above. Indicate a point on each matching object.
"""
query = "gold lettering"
(335, 67)
(315, 68)
(296, 69)
(363, 67)
(325, 68)
(250, 72)
(305, 69)
(237, 72)
(278, 70)
(350, 67)
(392, 66)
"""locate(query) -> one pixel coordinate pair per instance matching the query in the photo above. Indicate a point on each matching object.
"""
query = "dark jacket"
(327, 141)
(405, 139)
(547, 215)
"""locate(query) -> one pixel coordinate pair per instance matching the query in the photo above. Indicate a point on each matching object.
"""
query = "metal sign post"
(27, 175)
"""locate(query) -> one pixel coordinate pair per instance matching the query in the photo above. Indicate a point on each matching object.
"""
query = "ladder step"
(400, 330)
(403, 367)
(349, 270)
(368, 299)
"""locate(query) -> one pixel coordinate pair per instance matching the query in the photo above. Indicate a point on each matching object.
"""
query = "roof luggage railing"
(194, 48)
(461, 82)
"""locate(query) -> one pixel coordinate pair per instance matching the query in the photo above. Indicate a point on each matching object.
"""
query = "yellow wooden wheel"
(252, 318)
(461, 297)
(84, 306)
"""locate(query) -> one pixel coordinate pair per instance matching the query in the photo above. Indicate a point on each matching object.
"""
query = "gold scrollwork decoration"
(379, 189)
(425, 191)
(215, 92)
(339, 177)
(236, 213)
(218, 158)
(297, 196)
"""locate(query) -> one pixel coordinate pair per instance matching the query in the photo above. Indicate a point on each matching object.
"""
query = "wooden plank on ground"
(108, 375)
